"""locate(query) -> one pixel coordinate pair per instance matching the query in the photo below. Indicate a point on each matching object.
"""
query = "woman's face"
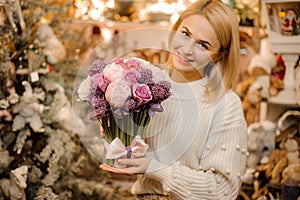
(194, 44)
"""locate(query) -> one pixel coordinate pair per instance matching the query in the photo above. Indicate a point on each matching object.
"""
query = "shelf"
(122, 25)
(273, 111)
(291, 106)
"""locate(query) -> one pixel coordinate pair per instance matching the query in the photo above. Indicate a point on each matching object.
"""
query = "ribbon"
(155, 108)
(116, 149)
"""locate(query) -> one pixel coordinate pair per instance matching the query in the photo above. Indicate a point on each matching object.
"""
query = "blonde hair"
(225, 24)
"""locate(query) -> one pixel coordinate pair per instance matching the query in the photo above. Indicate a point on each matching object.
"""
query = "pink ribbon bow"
(116, 148)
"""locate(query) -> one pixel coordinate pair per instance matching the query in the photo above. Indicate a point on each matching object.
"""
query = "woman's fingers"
(132, 162)
(134, 166)
(108, 168)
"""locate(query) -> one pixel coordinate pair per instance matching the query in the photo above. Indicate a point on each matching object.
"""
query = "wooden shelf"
(275, 110)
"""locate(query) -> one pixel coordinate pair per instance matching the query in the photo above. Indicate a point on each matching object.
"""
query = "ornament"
(10, 6)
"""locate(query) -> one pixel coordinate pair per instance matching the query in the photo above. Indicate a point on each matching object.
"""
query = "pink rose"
(120, 61)
(113, 72)
(100, 81)
(133, 63)
(132, 76)
(117, 93)
(142, 92)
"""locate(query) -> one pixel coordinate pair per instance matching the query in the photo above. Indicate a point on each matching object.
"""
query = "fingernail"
(120, 160)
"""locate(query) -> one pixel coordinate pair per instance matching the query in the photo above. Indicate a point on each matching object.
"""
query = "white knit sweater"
(197, 150)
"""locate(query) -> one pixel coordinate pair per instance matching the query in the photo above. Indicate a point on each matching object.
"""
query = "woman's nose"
(188, 46)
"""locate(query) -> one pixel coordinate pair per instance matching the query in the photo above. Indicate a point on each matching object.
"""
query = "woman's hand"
(137, 166)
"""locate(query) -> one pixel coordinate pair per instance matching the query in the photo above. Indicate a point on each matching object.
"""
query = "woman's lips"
(182, 59)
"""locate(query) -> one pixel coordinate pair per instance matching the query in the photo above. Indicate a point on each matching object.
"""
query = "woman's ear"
(218, 56)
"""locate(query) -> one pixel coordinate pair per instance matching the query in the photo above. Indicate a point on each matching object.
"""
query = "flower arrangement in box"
(124, 93)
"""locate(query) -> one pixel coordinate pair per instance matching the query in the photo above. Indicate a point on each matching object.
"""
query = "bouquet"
(124, 93)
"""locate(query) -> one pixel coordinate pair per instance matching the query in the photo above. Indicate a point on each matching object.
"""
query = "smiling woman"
(216, 30)
(197, 146)
(192, 49)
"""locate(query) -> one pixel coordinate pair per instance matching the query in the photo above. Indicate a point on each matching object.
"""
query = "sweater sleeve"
(221, 166)
(182, 182)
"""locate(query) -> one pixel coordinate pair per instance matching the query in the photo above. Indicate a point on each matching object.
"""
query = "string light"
(23, 56)
(282, 13)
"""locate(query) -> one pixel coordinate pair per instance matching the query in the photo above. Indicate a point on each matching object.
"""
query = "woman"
(198, 144)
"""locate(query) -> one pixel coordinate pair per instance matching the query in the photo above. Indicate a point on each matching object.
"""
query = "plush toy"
(277, 76)
(53, 49)
(276, 85)
(291, 174)
(277, 170)
(283, 166)
(290, 150)
(261, 141)
(259, 89)
(264, 173)
(260, 68)
(254, 89)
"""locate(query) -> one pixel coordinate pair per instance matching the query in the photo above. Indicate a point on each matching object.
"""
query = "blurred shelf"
(122, 25)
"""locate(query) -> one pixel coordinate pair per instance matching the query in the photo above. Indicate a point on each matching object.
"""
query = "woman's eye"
(203, 45)
(186, 34)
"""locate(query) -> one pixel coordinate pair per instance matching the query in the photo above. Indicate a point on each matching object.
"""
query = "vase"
(120, 135)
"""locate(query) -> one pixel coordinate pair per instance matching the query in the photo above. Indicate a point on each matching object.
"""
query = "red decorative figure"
(290, 23)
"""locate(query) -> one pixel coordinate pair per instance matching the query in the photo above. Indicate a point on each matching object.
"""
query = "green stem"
(125, 128)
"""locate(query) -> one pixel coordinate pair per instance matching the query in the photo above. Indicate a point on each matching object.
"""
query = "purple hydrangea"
(130, 104)
(165, 84)
(146, 76)
(98, 101)
(95, 91)
(97, 67)
(161, 91)
(101, 107)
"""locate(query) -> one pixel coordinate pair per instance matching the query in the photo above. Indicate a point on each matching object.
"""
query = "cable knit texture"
(197, 149)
